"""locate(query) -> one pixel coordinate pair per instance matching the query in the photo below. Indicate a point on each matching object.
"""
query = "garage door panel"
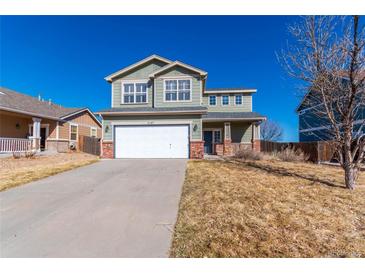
(152, 141)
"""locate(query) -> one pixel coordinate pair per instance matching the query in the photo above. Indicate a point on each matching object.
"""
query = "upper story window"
(212, 100)
(225, 100)
(177, 90)
(134, 93)
(238, 99)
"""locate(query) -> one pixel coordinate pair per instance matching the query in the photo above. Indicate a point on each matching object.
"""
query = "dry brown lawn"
(269, 209)
(16, 172)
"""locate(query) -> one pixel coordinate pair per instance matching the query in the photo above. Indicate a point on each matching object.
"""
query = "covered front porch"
(20, 132)
(225, 138)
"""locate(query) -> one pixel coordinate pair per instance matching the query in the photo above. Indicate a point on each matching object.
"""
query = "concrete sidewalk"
(115, 208)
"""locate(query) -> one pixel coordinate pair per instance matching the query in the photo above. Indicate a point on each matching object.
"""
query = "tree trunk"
(350, 176)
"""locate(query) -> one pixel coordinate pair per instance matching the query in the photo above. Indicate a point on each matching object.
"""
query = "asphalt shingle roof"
(12, 100)
(151, 109)
(218, 89)
(233, 115)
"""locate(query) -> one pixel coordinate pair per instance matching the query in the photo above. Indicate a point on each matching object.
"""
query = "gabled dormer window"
(177, 90)
(134, 92)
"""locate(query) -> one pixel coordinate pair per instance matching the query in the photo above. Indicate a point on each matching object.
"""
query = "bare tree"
(328, 56)
(270, 131)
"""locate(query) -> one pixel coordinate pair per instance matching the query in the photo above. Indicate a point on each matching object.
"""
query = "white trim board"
(110, 77)
(180, 64)
(134, 82)
(177, 90)
(230, 91)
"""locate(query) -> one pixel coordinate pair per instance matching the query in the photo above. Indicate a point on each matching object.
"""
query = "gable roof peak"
(110, 77)
(181, 64)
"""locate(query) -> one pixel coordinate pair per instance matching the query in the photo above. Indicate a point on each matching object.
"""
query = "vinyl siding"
(138, 73)
(246, 103)
(241, 132)
(178, 72)
(150, 120)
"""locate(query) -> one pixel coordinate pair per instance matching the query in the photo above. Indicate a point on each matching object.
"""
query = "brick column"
(196, 149)
(107, 150)
(256, 145)
(227, 143)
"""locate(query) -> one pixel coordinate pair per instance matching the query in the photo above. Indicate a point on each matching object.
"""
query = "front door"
(208, 142)
(43, 138)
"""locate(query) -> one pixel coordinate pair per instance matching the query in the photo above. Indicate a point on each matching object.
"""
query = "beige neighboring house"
(28, 123)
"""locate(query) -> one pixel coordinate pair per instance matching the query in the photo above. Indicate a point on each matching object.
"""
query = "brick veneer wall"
(196, 149)
(107, 150)
(227, 149)
(219, 149)
(256, 145)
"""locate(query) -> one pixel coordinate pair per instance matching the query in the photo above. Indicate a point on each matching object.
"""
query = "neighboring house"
(315, 127)
(49, 126)
(162, 109)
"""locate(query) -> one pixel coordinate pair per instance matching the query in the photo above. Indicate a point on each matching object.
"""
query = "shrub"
(249, 154)
(17, 155)
(30, 154)
(292, 155)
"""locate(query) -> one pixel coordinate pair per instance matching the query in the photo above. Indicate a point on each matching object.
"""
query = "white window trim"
(229, 100)
(238, 95)
(91, 131)
(177, 95)
(215, 100)
(213, 130)
(46, 126)
(134, 82)
(77, 132)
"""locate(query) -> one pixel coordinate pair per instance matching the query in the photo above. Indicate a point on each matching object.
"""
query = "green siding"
(150, 120)
(139, 73)
(246, 103)
(178, 72)
(241, 132)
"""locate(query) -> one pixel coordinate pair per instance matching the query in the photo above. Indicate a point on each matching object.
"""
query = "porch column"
(36, 134)
(256, 144)
(227, 144)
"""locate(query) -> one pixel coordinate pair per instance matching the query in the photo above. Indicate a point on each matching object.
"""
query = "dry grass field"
(269, 209)
(16, 172)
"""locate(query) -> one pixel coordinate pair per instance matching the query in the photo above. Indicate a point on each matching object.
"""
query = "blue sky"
(66, 58)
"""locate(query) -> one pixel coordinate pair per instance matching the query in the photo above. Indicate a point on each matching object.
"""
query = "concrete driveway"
(114, 208)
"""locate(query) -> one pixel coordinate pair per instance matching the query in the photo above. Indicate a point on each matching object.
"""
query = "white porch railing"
(15, 145)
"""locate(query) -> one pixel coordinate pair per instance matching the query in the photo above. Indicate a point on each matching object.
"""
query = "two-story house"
(162, 109)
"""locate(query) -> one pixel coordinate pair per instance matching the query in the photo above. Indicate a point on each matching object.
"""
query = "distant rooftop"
(19, 102)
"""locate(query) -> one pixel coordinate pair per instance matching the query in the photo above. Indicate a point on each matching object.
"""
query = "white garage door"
(170, 141)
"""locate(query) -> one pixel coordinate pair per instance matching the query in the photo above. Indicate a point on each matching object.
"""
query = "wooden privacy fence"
(15, 145)
(317, 151)
(89, 145)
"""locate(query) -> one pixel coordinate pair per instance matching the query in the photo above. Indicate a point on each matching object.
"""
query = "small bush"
(291, 155)
(17, 155)
(249, 154)
(30, 154)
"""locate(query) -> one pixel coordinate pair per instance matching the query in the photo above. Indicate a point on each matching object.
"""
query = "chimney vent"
(39, 97)
(49, 101)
